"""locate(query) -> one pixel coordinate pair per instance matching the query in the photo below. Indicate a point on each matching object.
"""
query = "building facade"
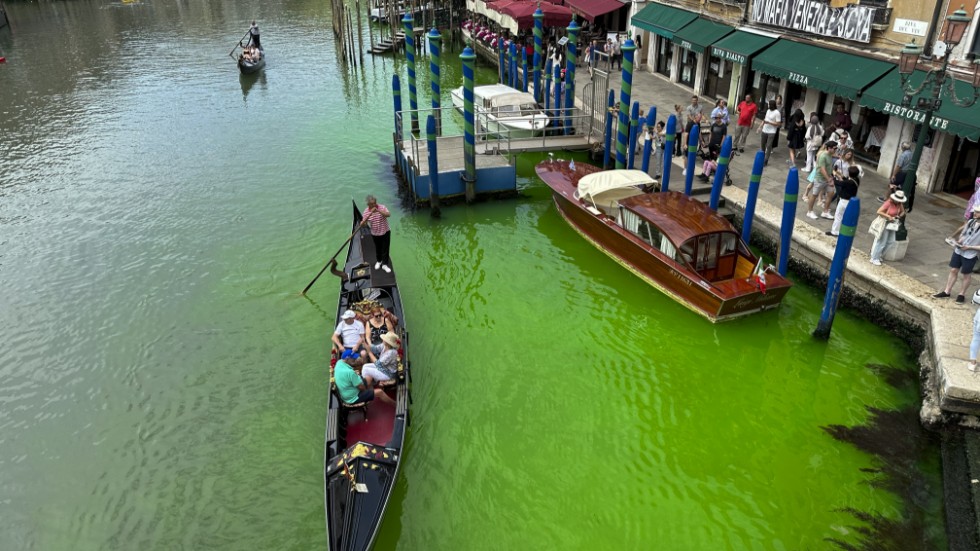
(815, 55)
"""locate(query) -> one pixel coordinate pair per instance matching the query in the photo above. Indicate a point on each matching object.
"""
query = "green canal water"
(163, 385)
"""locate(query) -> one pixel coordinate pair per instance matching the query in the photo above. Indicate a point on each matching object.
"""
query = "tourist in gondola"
(376, 217)
(376, 327)
(351, 387)
(349, 335)
(385, 365)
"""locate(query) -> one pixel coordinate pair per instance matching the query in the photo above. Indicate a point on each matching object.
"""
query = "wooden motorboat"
(248, 64)
(363, 451)
(674, 242)
(502, 110)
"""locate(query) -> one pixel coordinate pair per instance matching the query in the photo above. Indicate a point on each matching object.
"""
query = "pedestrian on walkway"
(746, 111)
(847, 188)
(974, 200)
(842, 119)
(721, 108)
(679, 115)
(814, 139)
(884, 225)
(779, 106)
(659, 137)
(967, 239)
(717, 131)
(618, 52)
(796, 135)
(898, 173)
(975, 342)
(694, 120)
(376, 217)
(770, 128)
(821, 178)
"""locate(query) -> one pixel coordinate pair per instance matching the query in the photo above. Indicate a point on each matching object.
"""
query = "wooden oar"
(331, 259)
(232, 52)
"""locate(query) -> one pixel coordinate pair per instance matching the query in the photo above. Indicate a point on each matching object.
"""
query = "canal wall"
(892, 300)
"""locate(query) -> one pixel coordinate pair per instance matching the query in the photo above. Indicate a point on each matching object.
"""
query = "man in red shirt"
(746, 111)
(376, 217)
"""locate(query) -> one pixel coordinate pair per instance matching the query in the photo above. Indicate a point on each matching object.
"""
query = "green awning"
(832, 71)
(886, 96)
(740, 46)
(662, 20)
(701, 33)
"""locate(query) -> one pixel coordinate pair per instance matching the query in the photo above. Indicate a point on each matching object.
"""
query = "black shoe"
(741, 150)
(882, 200)
(830, 234)
(960, 299)
(941, 294)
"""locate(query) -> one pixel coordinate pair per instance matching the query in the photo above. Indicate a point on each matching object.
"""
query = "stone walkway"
(909, 282)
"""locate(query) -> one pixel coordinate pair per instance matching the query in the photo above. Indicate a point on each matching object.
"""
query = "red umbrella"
(523, 13)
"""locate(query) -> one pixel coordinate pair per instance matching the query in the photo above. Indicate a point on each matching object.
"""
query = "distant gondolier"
(376, 217)
(253, 34)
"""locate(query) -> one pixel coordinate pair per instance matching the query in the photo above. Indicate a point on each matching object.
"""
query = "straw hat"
(391, 339)
(898, 196)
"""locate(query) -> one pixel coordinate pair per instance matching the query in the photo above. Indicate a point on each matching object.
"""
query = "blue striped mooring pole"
(547, 85)
(754, 179)
(538, 51)
(557, 104)
(435, 45)
(648, 144)
(723, 158)
(513, 65)
(500, 61)
(790, 196)
(634, 130)
(430, 136)
(396, 93)
(835, 280)
(571, 49)
(607, 153)
(669, 140)
(413, 102)
(524, 69)
(692, 158)
(625, 92)
(469, 140)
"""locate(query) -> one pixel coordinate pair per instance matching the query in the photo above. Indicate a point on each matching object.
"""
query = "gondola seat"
(349, 408)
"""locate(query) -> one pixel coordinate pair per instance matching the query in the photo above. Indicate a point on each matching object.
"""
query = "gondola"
(363, 449)
(251, 66)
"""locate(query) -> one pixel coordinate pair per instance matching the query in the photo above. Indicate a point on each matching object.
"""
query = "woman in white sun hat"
(386, 366)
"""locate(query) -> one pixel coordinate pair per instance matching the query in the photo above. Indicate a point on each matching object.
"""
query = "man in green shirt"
(822, 179)
(351, 386)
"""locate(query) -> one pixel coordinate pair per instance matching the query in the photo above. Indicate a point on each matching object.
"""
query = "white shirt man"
(349, 334)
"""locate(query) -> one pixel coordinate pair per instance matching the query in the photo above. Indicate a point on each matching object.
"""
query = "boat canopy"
(677, 215)
(608, 187)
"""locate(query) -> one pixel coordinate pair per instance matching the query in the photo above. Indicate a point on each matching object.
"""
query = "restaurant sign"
(914, 115)
(728, 55)
(849, 23)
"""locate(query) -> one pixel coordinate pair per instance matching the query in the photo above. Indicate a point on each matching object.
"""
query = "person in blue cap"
(350, 386)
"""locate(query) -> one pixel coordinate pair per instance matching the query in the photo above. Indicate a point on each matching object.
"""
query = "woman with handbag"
(814, 139)
(885, 224)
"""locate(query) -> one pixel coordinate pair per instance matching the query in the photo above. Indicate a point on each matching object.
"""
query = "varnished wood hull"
(726, 301)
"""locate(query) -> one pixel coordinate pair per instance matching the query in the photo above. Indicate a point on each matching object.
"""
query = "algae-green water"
(163, 385)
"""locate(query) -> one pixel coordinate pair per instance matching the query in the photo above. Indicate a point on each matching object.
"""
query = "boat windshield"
(529, 109)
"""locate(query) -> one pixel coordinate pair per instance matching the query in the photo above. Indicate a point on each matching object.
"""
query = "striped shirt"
(377, 220)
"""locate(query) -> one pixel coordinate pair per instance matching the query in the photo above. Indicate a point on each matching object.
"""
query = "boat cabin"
(672, 224)
(504, 101)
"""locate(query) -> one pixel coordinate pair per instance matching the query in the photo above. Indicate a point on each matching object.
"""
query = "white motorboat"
(504, 111)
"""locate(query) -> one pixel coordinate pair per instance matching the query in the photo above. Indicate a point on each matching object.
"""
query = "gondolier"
(376, 217)
(253, 34)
